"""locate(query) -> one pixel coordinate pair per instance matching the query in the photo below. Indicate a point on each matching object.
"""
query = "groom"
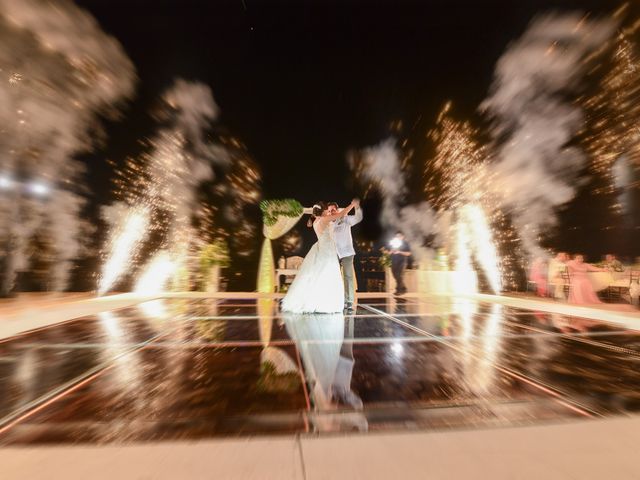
(344, 246)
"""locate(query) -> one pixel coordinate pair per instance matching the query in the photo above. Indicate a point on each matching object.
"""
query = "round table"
(604, 280)
(600, 280)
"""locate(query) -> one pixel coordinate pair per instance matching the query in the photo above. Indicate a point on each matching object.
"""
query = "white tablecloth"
(603, 280)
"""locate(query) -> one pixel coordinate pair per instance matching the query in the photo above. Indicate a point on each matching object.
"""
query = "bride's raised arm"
(342, 213)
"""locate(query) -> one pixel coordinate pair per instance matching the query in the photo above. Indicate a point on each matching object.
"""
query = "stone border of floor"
(30, 318)
(630, 319)
(584, 450)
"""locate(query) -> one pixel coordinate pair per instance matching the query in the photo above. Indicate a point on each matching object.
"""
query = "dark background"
(302, 82)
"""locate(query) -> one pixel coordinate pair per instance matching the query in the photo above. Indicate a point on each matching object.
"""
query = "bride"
(318, 286)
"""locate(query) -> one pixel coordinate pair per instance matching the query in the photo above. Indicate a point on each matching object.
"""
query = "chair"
(623, 285)
(634, 287)
(292, 264)
(566, 281)
(563, 280)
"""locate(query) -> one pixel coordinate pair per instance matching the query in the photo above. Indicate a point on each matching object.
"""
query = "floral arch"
(279, 216)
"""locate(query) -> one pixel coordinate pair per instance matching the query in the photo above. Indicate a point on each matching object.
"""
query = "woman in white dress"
(318, 286)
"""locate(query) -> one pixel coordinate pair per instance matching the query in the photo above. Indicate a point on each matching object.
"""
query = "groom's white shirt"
(342, 233)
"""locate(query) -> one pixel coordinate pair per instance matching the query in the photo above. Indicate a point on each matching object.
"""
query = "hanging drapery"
(279, 216)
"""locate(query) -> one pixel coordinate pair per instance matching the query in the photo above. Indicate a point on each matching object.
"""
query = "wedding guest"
(557, 266)
(582, 291)
(612, 264)
(399, 254)
(538, 275)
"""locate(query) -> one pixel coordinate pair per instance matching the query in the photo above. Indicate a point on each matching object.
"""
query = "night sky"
(302, 82)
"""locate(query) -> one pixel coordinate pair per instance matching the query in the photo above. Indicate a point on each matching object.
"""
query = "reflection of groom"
(344, 246)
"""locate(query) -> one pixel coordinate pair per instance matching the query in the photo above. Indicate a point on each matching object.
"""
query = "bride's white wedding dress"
(317, 286)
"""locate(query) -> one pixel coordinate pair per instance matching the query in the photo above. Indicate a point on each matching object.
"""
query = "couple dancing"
(319, 286)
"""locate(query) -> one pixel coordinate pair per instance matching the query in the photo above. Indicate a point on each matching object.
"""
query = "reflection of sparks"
(110, 323)
(123, 248)
(156, 276)
(489, 343)
(479, 352)
(466, 309)
(397, 349)
(126, 366)
(155, 309)
(25, 372)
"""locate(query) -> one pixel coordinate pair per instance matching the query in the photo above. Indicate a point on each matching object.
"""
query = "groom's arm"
(354, 219)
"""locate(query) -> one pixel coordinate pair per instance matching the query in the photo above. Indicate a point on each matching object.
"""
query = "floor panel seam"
(301, 456)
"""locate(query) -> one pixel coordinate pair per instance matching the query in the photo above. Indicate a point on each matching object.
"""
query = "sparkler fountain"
(53, 90)
(379, 168)
(167, 183)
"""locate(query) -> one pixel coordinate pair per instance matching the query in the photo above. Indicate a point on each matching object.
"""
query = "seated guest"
(582, 291)
(538, 275)
(557, 265)
(612, 264)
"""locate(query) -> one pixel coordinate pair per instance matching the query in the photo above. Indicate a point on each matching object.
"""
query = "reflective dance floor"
(192, 369)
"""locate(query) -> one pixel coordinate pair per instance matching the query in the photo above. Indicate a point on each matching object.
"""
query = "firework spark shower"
(518, 162)
(60, 72)
(381, 167)
(303, 222)
(531, 168)
(537, 169)
(166, 181)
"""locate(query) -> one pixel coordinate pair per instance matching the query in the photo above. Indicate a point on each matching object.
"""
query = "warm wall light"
(5, 182)
(39, 189)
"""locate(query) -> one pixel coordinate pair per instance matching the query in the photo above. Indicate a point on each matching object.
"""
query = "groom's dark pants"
(348, 280)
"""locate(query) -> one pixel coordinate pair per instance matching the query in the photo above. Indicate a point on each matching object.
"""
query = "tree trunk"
(213, 282)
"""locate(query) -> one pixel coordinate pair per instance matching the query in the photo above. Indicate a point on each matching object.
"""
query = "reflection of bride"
(328, 361)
